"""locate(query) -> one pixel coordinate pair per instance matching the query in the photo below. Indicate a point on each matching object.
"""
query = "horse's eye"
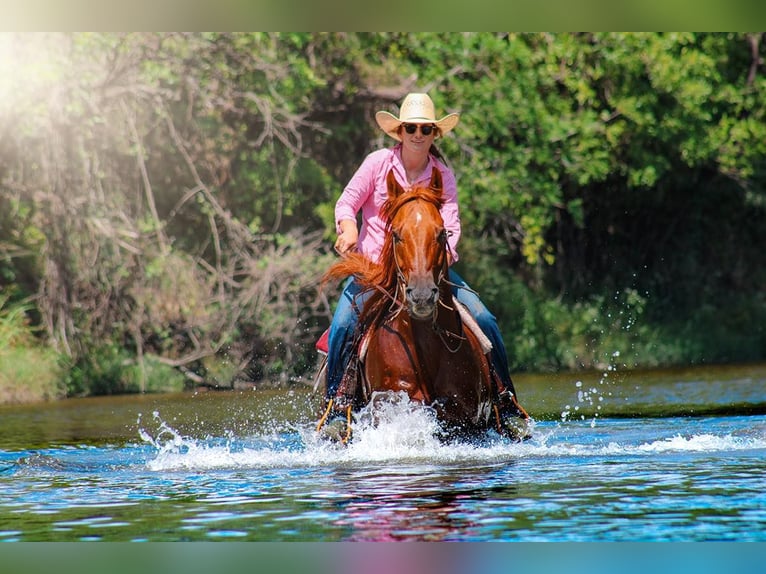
(397, 237)
(442, 237)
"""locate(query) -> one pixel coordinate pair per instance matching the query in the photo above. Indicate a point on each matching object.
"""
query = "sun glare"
(28, 70)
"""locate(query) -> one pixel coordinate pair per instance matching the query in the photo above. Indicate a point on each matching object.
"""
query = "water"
(653, 456)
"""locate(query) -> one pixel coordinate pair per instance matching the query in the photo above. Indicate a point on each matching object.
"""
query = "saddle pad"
(322, 343)
(473, 326)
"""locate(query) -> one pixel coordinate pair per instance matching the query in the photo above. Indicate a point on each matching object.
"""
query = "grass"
(29, 375)
(29, 371)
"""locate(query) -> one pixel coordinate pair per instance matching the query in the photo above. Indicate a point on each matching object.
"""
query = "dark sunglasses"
(425, 130)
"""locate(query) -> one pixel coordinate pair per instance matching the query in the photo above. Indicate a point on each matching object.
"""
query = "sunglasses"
(425, 130)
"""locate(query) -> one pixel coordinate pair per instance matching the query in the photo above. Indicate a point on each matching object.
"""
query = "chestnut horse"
(416, 339)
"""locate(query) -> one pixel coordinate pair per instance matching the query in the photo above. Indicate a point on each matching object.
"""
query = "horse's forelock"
(393, 204)
(389, 212)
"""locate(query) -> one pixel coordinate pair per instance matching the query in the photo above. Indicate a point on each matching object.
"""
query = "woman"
(411, 159)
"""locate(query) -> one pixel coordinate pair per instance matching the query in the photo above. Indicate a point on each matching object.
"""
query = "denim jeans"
(352, 301)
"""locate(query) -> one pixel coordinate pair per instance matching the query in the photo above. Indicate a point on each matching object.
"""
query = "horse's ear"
(394, 189)
(436, 180)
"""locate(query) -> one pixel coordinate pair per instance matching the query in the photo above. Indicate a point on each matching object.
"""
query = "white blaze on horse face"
(421, 290)
(419, 263)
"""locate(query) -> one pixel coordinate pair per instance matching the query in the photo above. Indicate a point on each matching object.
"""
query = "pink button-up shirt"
(367, 192)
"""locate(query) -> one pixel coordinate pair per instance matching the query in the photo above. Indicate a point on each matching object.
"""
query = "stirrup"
(335, 425)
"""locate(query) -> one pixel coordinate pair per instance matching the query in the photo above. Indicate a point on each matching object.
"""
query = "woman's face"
(417, 141)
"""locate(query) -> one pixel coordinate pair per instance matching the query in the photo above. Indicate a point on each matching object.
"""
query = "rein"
(400, 301)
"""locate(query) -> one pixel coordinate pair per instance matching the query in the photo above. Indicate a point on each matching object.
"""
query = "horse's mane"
(381, 277)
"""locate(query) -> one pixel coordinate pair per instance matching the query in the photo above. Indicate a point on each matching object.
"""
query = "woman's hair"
(434, 151)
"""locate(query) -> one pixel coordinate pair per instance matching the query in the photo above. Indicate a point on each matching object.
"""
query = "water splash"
(395, 430)
(704, 442)
(400, 432)
(592, 397)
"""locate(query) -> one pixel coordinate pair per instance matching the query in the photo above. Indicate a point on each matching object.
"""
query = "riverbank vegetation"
(166, 199)
(29, 370)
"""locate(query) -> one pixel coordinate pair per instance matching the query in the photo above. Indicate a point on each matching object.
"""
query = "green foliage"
(109, 370)
(14, 326)
(170, 196)
(29, 374)
(28, 370)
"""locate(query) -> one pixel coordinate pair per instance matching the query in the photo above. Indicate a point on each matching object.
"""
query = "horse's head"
(417, 242)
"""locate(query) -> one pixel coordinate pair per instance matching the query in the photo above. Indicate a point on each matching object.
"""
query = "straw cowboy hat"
(415, 109)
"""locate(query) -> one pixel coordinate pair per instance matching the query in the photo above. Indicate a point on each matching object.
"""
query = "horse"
(414, 336)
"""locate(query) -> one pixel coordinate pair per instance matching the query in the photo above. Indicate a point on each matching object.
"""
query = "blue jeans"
(347, 315)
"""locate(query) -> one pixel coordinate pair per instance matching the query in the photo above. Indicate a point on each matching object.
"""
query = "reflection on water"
(247, 466)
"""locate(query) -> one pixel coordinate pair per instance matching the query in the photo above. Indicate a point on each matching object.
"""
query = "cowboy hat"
(415, 109)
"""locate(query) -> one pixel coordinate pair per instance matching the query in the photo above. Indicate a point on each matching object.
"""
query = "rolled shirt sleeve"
(450, 210)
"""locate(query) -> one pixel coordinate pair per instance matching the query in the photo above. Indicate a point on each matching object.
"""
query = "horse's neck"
(446, 322)
(448, 316)
(427, 347)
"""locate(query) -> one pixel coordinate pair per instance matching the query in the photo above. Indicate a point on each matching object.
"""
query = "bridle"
(399, 298)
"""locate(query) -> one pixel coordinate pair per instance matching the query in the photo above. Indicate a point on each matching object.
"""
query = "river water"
(634, 456)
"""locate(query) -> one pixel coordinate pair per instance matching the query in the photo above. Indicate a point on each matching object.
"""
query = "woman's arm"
(450, 212)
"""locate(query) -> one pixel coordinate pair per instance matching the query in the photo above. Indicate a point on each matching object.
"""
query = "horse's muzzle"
(422, 297)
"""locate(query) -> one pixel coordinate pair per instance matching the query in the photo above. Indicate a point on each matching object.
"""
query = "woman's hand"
(347, 237)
